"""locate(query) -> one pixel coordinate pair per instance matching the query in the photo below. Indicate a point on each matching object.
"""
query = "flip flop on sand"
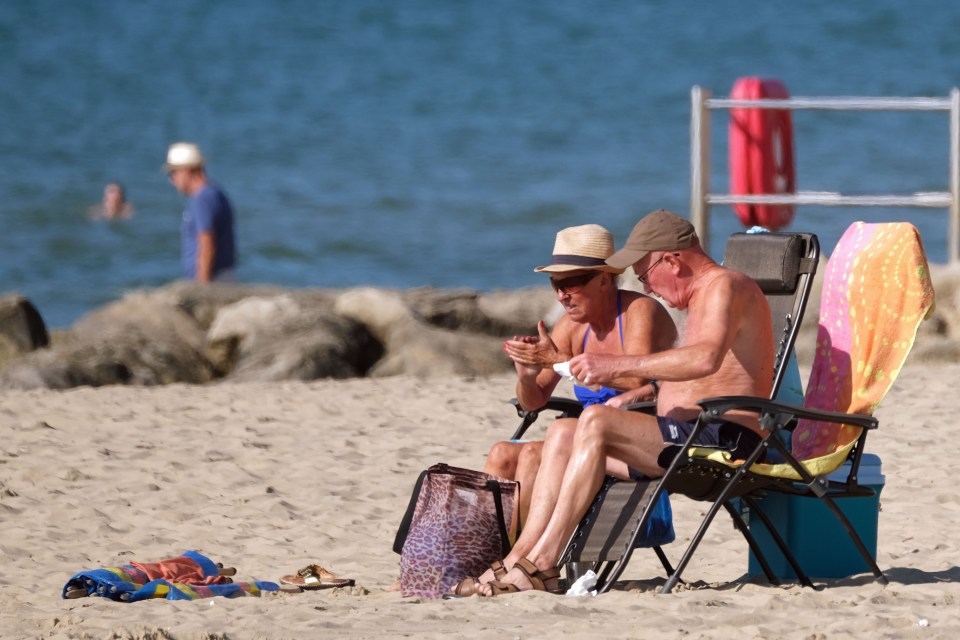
(316, 577)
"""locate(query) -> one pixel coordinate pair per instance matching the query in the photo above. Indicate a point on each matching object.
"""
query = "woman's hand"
(640, 394)
(530, 354)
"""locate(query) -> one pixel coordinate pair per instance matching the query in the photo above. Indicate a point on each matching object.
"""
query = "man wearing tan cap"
(208, 250)
(725, 348)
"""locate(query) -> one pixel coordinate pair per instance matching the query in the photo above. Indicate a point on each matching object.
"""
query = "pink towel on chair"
(876, 291)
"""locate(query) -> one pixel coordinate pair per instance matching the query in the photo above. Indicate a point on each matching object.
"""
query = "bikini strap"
(619, 316)
(586, 334)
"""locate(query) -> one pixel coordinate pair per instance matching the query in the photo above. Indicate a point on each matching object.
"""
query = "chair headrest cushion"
(772, 259)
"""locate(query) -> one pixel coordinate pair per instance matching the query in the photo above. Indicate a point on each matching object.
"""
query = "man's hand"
(594, 369)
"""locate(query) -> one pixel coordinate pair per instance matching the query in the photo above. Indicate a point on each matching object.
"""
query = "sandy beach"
(271, 477)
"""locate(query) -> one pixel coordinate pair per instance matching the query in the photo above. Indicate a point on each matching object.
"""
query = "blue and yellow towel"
(187, 577)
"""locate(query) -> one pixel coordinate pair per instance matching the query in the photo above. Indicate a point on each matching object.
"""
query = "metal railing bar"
(937, 200)
(863, 104)
(701, 199)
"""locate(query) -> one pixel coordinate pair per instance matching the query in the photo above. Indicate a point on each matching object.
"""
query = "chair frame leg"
(720, 500)
(742, 527)
(664, 560)
(755, 509)
(692, 547)
(857, 540)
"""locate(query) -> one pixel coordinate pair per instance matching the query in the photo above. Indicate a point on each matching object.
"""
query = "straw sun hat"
(581, 248)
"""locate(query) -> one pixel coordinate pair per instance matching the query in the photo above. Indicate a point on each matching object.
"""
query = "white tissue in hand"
(563, 368)
(584, 586)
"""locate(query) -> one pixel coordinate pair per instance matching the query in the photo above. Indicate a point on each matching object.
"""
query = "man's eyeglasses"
(643, 276)
(570, 286)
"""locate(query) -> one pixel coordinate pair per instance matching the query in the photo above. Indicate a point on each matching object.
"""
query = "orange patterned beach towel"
(876, 291)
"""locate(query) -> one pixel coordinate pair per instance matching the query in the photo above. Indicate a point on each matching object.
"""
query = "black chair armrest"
(567, 407)
(716, 407)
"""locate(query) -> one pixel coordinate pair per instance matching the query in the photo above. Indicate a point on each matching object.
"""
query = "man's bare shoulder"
(730, 281)
(743, 294)
(744, 285)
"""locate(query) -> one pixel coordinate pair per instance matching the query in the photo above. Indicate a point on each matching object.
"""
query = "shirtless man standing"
(726, 348)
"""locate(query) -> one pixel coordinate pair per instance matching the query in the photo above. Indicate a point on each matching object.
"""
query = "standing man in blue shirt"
(208, 249)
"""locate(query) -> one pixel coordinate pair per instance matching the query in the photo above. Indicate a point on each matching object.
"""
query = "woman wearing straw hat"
(599, 318)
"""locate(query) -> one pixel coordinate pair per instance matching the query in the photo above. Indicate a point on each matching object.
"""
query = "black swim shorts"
(720, 434)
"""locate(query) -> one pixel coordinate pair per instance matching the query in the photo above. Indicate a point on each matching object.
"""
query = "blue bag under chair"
(659, 530)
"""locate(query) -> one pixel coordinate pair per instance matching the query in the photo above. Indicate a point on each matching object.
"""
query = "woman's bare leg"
(633, 439)
(527, 467)
(546, 487)
(502, 459)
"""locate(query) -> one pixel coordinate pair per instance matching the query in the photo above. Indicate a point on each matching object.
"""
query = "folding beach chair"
(876, 292)
(783, 265)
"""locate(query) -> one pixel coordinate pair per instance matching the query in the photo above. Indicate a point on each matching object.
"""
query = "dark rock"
(415, 347)
(291, 336)
(500, 313)
(22, 330)
(136, 340)
(201, 301)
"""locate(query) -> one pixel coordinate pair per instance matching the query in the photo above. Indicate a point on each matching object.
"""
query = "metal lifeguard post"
(701, 199)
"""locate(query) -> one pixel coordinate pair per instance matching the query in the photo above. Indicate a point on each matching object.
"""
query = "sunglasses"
(570, 286)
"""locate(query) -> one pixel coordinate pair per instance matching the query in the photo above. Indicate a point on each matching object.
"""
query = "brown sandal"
(538, 579)
(501, 588)
(468, 586)
(316, 577)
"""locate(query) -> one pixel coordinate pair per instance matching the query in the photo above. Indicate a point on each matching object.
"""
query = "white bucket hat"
(183, 155)
(583, 248)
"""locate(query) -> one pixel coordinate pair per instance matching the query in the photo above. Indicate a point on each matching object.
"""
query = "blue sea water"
(429, 142)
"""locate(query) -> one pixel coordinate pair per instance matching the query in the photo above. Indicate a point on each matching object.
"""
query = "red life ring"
(761, 154)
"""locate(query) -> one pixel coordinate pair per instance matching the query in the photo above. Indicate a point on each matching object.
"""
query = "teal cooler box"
(813, 533)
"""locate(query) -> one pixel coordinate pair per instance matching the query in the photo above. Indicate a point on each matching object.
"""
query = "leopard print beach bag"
(454, 527)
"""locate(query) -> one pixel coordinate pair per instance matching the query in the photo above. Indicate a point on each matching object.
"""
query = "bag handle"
(494, 488)
(492, 485)
(408, 516)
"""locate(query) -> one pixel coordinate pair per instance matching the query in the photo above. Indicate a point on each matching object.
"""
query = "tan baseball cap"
(660, 230)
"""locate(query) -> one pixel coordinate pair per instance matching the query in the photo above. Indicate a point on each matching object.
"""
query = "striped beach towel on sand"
(190, 576)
